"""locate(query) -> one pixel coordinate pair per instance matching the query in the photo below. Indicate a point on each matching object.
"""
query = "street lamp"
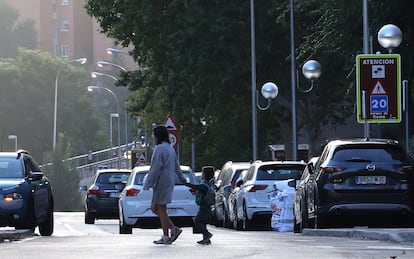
(112, 51)
(80, 61)
(311, 70)
(15, 140)
(389, 37)
(112, 115)
(93, 87)
(105, 63)
(99, 74)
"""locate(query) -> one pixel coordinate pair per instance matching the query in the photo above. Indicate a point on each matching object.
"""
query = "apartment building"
(66, 30)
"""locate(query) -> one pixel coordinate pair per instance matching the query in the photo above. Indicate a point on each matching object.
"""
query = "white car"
(135, 203)
(251, 201)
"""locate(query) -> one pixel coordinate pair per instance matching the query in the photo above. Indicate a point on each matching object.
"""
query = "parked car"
(251, 202)
(225, 182)
(102, 196)
(26, 194)
(135, 203)
(197, 176)
(299, 204)
(233, 221)
(357, 179)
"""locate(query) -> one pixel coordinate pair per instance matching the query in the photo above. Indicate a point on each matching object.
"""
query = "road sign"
(170, 124)
(380, 77)
(173, 139)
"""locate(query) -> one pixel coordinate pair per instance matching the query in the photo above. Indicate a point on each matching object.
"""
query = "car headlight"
(12, 196)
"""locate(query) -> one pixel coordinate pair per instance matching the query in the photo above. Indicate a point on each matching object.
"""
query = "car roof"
(285, 162)
(113, 170)
(146, 168)
(338, 142)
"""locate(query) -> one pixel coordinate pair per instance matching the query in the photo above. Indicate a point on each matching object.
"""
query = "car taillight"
(94, 190)
(132, 192)
(332, 169)
(193, 191)
(257, 187)
(406, 169)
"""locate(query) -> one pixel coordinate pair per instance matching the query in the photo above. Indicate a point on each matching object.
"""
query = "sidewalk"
(398, 235)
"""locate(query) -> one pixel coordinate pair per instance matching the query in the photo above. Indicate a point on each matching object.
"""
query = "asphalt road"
(396, 235)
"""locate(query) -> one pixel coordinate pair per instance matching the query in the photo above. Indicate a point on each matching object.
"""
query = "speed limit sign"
(173, 139)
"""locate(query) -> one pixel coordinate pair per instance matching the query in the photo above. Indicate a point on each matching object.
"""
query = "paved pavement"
(398, 235)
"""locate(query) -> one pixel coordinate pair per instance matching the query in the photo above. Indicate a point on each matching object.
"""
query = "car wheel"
(124, 228)
(237, 223)
(89, 219)
(226, 220)
(46, 228)
(246, 223)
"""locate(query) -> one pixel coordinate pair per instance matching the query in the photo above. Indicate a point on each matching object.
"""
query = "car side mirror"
(292, 183)
(35, 176)
(227, 188)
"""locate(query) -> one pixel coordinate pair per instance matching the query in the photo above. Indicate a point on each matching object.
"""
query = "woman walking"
(161, 178)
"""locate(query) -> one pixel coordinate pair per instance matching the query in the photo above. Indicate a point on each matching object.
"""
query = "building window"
(65, 51)
(65, 25)
(65, 2)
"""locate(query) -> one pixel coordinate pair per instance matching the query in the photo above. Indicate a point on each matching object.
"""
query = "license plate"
(114, 194)
(371, 179)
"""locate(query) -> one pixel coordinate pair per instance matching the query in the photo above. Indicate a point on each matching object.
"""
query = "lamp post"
(79, 60)
(93, 87)
(99, 74)
(311, 70)
(105, 63)
(390, 37)
(112, 115)
(15, 140)
(112, 51)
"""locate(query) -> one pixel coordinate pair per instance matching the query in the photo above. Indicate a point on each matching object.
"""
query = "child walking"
(203, 215)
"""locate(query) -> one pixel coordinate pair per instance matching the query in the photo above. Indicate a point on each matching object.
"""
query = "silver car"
(135, 203)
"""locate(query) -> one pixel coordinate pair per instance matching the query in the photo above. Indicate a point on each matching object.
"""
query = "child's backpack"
(210, 197)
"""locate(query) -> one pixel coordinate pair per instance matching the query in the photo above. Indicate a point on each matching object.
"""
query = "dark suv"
(102, 196)
(26, 194)
(356, 182)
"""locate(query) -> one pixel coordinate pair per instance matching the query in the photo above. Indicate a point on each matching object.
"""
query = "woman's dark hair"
(161, 133)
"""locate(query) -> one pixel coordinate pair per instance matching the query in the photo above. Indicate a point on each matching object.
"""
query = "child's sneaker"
(163, 241)
(175, 232)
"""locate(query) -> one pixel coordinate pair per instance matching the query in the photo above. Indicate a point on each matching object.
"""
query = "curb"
(13, 235)
(392, 235)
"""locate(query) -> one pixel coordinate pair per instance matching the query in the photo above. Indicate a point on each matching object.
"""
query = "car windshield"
(10, 168)
(277, 172)
(112, 178)
(142, 176)
(387, 154)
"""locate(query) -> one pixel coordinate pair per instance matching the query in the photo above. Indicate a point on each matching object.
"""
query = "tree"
(196, 56)
(64, 180)
(27, 104)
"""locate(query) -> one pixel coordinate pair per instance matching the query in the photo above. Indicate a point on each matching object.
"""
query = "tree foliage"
(196, 60)
(27, 93)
